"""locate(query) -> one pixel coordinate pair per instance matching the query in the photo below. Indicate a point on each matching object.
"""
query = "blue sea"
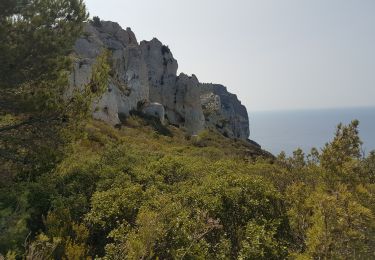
(278, 131)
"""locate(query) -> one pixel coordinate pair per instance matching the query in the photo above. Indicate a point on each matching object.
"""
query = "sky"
(274, 54)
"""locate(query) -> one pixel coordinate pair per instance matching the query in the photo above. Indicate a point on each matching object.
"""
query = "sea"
(287, 130)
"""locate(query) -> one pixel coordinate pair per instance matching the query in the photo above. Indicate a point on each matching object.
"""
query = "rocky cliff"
(223, 111)
(144, 77)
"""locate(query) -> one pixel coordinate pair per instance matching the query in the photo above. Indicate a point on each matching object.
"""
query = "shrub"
(96, 21)
(165, 50)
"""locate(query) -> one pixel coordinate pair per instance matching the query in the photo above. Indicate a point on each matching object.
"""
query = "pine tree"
(36, 39)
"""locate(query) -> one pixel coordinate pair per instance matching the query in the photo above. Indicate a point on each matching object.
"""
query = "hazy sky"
(274, 54)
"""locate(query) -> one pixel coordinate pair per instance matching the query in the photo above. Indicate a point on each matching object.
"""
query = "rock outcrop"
(223, 111)
(179, 94)
(144, 77)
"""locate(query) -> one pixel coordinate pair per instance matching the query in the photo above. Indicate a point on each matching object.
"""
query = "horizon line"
(309, 109)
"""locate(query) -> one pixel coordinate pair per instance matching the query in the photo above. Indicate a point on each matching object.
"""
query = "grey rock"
(180, 95)
(162, 76)
(155, 110)
(224, 112)
(188, 104)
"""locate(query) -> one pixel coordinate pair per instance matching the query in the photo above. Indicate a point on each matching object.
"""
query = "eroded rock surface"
(128, 83)
(223, 111)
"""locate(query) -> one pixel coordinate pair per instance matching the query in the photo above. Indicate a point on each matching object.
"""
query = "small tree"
(341, 156)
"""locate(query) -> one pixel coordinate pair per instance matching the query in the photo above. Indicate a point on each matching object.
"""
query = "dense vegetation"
(74, 188)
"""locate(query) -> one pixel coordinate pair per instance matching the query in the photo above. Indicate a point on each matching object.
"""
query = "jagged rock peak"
(114, 29)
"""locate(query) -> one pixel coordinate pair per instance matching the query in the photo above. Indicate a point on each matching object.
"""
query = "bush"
(96, 21)
(165, 50)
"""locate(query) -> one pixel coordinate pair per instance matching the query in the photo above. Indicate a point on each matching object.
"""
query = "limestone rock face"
(162, 71)
(180, 95)
(144, 77)
(128, 82)
(223, 111)
(187, 103)
(162, 76)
